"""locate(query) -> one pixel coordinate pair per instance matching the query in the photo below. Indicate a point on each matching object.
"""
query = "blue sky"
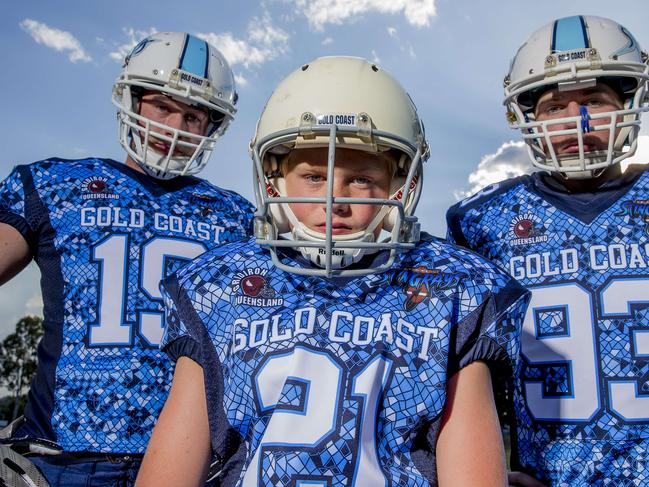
(61, 58)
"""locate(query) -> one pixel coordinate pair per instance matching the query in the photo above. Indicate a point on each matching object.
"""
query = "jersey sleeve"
(453, 227)
(491, 331)
(13, 204)
(249, 213)
(184, 333)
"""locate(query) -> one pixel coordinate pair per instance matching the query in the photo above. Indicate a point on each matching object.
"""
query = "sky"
(60, 59)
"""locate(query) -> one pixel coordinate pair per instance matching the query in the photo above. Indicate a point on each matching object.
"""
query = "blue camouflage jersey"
(581, 401)
(323, 382)
(103, 236)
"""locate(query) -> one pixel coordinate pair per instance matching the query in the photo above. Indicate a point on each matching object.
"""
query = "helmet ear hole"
(276, 187)
(136, 96)
(390, 220)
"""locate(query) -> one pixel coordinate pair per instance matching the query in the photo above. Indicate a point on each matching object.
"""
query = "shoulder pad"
(490, 191)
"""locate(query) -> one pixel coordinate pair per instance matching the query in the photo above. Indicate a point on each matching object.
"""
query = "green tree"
(18, 357)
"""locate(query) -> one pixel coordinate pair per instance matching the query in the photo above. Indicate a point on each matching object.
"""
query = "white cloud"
(510, 160)
(375, 57)
(264, 43)
(322, 12)
(405, 47)
(411, 51)
(134, 36)
(240, 80)
(34, 305)
(59, 40)
(263, 33)
(327, 41)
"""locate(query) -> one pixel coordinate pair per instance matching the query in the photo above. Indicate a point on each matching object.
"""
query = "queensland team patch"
(526, 229)
(96, 187)
(252, 288)
(636, 209)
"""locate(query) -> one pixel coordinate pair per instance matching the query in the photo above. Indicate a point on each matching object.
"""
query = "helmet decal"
(194, 57)
(569, 34)
(138, 49)
(629, 48)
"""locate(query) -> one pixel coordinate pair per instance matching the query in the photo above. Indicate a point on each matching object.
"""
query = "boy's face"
(555, 104)
(165, 110)
(357, 174)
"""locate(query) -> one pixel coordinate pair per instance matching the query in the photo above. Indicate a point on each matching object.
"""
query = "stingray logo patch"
(253, 288)
(96, 187)
(420, 284)
(205, 202)
(526, 229)
(636, 209)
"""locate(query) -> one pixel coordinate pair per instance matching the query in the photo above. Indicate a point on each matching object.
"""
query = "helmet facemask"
(187, 152)
(333, 254)
(622, 126)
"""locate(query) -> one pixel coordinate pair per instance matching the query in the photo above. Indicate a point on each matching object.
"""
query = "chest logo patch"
(419, 284)
(636, 209)
(96, 187)
(526, 229)
(253, 288)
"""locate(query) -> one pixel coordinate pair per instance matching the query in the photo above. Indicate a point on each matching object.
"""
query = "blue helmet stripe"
(569, 34)
(194, 57)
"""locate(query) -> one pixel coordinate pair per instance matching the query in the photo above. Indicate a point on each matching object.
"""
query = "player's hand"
(520, 479)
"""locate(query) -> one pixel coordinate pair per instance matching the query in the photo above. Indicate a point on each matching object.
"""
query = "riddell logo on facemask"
(337, 253)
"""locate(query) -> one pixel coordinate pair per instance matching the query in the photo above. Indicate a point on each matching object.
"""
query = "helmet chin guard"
(575, 53)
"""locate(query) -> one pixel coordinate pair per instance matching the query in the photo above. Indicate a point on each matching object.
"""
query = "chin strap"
(158, 165)
(341, 257)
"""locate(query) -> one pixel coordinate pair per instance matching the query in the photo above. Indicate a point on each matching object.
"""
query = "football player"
(577, 234)
(103, 234)
(339, 347)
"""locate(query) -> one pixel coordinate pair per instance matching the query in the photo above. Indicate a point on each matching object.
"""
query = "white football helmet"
(569, 54)
(338, 102)
(189, 70)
